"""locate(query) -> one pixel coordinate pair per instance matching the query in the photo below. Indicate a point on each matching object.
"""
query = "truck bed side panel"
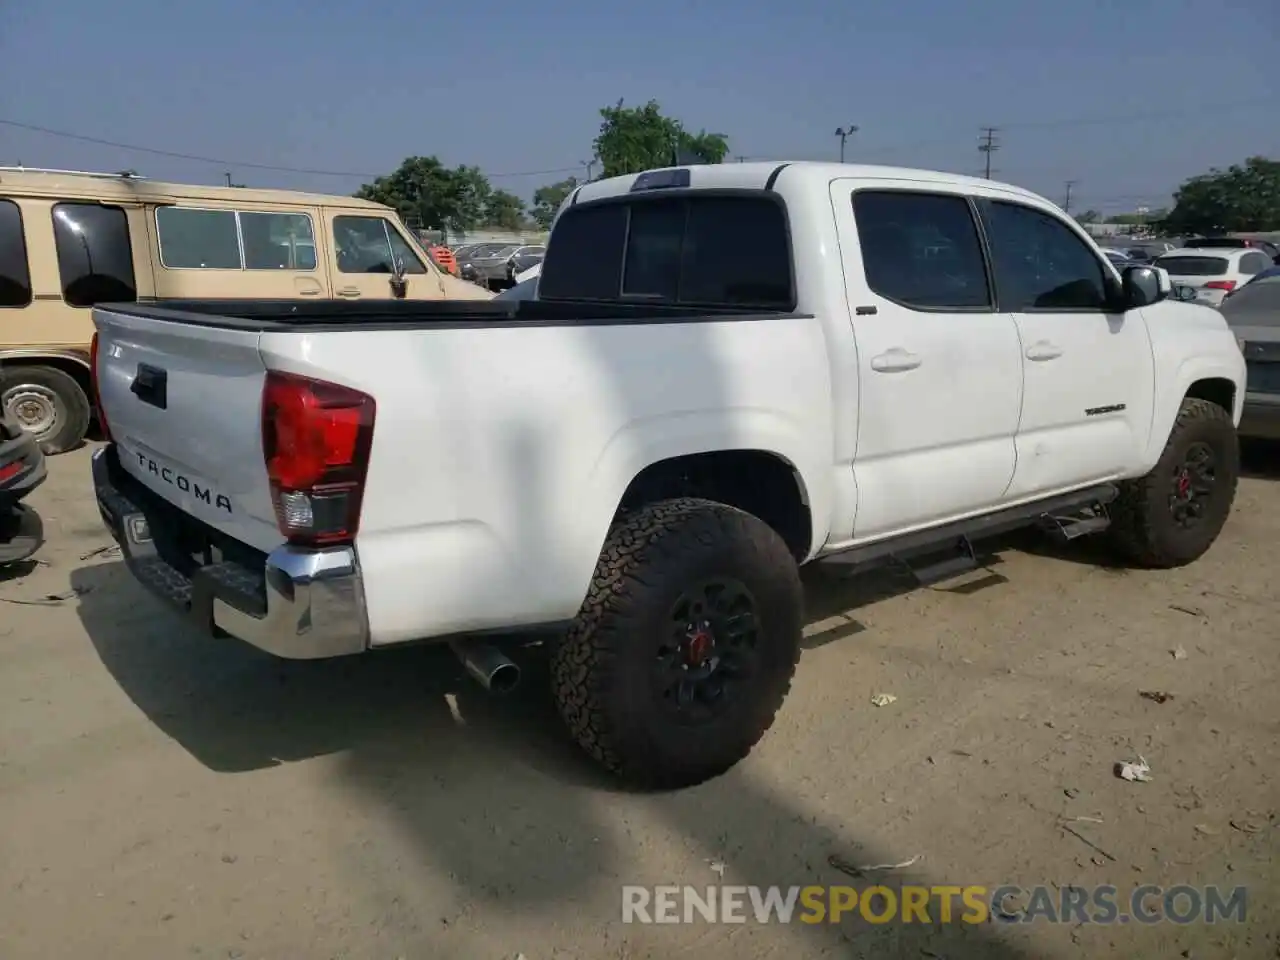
(501, 453)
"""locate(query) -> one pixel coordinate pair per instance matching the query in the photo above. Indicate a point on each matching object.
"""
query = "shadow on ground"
(495, 794)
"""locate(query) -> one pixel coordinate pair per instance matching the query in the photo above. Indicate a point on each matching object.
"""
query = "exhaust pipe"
(490, 667)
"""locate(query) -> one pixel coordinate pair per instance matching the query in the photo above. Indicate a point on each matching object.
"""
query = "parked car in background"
(1119, 259)
(523, 260)
(490, 264)
(1253, 314)
(1214, 273)
(1235, 243)
(1144, 251)
(69, 240)
(524, 290)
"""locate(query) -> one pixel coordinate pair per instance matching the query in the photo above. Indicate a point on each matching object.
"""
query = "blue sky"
(514, 87)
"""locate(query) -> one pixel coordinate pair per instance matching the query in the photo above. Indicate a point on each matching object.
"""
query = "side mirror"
(1144, 286)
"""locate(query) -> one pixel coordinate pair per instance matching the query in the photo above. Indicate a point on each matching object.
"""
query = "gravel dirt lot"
(167, 796)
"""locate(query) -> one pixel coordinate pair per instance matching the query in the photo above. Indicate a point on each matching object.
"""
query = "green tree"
(633, 139)
(1223, 201)
(1089, 216)
(547, 200)
(424, 191)
(503, 210)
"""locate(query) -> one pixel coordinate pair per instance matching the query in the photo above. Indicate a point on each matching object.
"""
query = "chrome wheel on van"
(35, 407)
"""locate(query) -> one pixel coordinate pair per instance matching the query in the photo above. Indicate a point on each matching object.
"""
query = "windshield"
(1193, 266)
(483, 250)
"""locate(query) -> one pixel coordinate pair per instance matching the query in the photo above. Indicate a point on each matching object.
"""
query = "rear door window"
(921, 250)
(95, 257)
(15, 274)
(697, 250)
(277, 241)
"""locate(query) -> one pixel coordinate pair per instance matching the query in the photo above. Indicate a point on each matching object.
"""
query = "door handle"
(348, 291)
(1043, 350)
(895, 361)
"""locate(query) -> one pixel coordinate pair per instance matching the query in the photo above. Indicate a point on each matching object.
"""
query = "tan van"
(69, 240)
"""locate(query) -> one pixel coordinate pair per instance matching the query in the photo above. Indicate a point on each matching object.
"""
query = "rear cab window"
(714, 249)
(15, 272)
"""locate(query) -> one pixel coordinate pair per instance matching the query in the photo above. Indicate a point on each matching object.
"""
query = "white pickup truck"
(728, 371)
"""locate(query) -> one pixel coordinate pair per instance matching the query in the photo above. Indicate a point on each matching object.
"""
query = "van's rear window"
(694, 250)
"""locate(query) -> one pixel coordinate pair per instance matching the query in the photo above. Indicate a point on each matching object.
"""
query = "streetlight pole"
(844, 133)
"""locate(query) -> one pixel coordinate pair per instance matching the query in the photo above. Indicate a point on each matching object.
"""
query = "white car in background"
(1213, 272)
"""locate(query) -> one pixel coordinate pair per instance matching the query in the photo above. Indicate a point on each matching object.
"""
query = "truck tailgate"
(183, 404)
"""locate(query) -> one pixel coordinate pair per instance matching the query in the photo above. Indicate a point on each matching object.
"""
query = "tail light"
(1227, 285)
(316, 438)
(98, 409)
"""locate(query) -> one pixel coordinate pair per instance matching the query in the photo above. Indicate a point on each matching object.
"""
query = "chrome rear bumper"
(299, 604)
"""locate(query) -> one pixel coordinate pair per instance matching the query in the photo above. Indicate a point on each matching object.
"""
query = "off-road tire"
(71, 407)
(600, 671)
(1143, 529)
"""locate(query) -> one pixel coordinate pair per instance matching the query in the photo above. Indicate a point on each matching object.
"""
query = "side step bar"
(948, 550)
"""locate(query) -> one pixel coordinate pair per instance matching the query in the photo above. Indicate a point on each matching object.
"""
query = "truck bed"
(264, 316)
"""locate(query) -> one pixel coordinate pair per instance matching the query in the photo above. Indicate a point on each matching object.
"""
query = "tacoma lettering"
(185, 484)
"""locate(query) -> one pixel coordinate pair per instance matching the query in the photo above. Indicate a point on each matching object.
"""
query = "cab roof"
(760, 176)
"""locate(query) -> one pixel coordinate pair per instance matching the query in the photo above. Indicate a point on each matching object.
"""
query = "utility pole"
(844, 133)
(740, 158)
(1066, 206)
(590, 165)
(988, 145)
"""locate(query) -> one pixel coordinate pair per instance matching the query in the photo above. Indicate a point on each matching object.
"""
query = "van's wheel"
(47, 402)
(1173, 515)
(685, 646)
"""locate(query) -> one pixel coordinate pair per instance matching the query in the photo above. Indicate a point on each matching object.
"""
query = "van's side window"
(1041, 263)
(921, 250)
(192, 239)
(95, 257)
(277, 241)
(369, 244)
(15, 274)
(198, 239)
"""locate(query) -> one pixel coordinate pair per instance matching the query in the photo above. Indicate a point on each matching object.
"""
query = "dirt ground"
(167, 796)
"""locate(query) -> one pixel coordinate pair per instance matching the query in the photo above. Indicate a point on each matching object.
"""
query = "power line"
(988, 145)
(222, 161)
